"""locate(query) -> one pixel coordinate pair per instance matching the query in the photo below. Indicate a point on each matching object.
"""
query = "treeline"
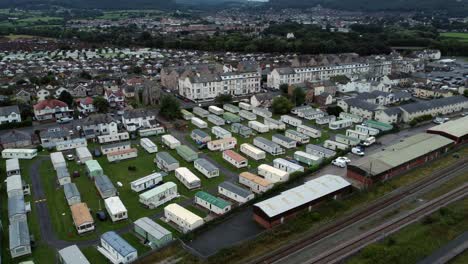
(89, 4)
(363, 39)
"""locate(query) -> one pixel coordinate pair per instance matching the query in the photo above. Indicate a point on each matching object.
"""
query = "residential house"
(16, 139)
(85, 105)
(99, 124)
(263, 100)
(23, 96)
(133, 120)
(115, 98)
(51, 109)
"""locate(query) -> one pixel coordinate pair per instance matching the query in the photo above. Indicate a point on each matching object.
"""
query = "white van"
(368, 141)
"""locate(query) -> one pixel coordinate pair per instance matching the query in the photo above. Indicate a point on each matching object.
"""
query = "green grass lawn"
(411, 244)
(455, 35)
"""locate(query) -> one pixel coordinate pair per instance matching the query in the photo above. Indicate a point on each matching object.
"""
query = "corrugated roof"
(218, 202)
(118, 243)
(306, 193)
(457, 128)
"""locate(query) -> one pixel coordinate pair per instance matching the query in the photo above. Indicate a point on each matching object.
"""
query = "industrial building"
(412, 152)
(288, 204)
(456, 130)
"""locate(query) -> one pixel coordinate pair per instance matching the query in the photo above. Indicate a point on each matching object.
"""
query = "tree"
(465, 93)
(284, 88)
(298, 96)
(223, 99)
(170, 107)
(67, 98)
(334, 110)
(281, 105)
(101, 104)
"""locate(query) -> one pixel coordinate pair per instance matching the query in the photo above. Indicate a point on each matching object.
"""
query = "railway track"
(347, 249)
(380, 204)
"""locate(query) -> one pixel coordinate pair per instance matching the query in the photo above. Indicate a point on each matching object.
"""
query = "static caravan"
(350, 141)
(170, 141)
(215, 110)
(296, 136)
(298, 109)
(231, 108)
(83, 154)
(186, 153)
(354, 118)
(147, 182)
(114, 147)
(187, 178)
(220, 132)
(356, 134)
(325, 119)
(122, 155)
(378, 125)
(72, 195)
(216, 120)
(268, 146)
(235, 192)
(287, 166)
(63, 176)
(16, 208)
(113, 137)
(256, 183)
(253, 152)
(367, 130)
(259, 127)
(235, 159)
(340, 124)
(292, 121)
(152, 233)
(159, 195)
(247, 115)
(307, 158)
(104, 186)
(82, 218)
(116, 249)
(198, 122)
(148, 145)
(245, 106)
(200, 112)
(71, 144)
(242, 130)
(148, 132)
(272, 174)
(16, 186)
(284, 141)
(206, 168)
(212, 203)
(222, 144)
(231, 118)
(309, 131)
(58, 160)
(93, 168)
(19, 153)
(311, 114)
(320, 151)
(116, 209)
(183, 218)
(13, 167)
(263, 112)
(186, 114)
(274, 124)
(200, 136)
(165, 161)
(333, 145)
(72, 255)
(20, 241)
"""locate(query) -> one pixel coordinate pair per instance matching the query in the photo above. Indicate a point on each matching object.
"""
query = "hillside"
(89, 4)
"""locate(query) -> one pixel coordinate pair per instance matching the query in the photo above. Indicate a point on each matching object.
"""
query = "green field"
(456, 36)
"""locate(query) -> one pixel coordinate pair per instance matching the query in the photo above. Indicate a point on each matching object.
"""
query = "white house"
(10, 114)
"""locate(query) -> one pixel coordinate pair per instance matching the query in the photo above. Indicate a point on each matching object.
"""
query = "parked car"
(339, 163)
(70, 157)
(357, 151)
(369, 141)
(64, 120)
(345, 159)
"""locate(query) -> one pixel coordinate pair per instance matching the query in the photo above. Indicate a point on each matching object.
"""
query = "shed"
(71, 193)
(93, 168)
(153, 234)
(72, 255)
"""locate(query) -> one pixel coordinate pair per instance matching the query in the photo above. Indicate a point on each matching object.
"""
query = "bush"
(132, 168)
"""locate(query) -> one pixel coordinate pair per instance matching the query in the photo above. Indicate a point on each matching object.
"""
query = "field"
(456, 36)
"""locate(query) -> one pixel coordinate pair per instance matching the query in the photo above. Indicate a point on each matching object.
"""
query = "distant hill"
(90, 4)
(459, 7)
